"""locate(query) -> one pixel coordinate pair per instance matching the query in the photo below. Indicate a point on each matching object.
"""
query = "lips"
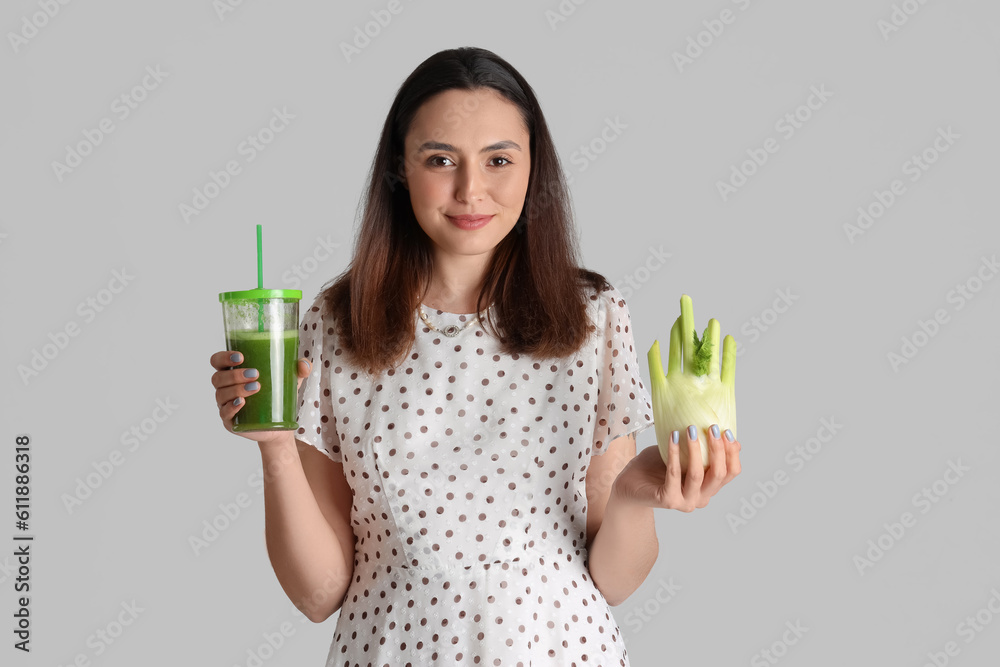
(470, 218)
(468, 222)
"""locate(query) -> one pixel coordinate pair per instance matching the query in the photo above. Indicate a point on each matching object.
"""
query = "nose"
(469, 183)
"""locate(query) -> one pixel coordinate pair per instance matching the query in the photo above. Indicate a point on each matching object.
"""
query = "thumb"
(303, 369)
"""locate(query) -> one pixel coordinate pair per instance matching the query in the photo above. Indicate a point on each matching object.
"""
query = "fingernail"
(729, 436)
(675, 437)
(250, 373)
(715, 430)
(238, 401)
(235, 357)
(692, 433)
(253, 386)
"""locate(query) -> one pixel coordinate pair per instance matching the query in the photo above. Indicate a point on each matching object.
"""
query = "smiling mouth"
(469, 218)
(469, 221)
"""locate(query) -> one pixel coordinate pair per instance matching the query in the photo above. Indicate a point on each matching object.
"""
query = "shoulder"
(609, 296)
(607, 303)
(599, 293)
(607, 310)
(318, 321)
(315, 314)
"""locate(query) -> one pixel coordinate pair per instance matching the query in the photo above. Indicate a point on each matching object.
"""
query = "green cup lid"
(254, 294)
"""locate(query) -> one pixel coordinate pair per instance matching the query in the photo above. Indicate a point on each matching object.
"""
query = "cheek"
(515, 191)
(424, 190)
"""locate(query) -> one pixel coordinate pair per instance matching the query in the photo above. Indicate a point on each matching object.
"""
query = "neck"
(455, 283)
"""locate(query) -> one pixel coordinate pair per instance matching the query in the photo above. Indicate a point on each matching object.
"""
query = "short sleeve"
(623, 401)
(315, 414)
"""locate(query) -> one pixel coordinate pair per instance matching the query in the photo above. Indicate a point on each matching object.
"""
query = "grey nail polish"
(692, 433)
(715, 430)
(675, 437)
(235, 357)
(729, 436)
(238, 401)
(253, 386)
(250, 373)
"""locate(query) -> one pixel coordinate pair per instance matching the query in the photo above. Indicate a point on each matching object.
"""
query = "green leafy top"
(701, 361)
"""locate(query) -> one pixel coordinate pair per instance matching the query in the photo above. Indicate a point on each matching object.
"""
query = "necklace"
(451, 330)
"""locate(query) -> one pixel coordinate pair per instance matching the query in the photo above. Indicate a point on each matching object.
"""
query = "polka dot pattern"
(468, 468)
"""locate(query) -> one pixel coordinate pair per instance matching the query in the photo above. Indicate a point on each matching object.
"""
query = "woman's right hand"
(231, 382)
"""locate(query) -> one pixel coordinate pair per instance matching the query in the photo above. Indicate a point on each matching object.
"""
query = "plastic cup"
(263, 325)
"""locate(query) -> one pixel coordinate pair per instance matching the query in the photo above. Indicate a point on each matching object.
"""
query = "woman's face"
(467, 153)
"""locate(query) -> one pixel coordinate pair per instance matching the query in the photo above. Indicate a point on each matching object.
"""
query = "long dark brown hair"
(533, 279)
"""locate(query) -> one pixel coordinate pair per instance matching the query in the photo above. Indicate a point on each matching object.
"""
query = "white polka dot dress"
(468, 470)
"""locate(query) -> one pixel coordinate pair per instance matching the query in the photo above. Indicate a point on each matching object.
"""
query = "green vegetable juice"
(275, 357)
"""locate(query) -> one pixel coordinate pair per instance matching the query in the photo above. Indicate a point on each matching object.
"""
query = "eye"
(434, 161)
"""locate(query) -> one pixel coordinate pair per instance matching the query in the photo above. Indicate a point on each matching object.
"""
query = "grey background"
(654, 186)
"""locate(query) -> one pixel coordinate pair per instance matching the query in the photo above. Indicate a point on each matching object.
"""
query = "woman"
(464, 484)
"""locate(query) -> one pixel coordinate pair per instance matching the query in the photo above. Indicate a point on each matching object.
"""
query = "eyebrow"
(438, 146)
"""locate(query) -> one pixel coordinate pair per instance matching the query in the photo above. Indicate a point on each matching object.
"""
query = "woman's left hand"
(647, 481)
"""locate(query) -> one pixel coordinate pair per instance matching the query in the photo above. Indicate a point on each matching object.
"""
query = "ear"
(393, 180)
(402, 174)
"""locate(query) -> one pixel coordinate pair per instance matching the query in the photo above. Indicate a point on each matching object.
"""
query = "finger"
(228, 410)
(303, 369)
(716, 475)
(733, 448)
(234, 377)
(226, 359)
(672, 495)
(696, 468)
(231, 393)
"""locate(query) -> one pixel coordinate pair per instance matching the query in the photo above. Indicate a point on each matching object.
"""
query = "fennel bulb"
(693, 391)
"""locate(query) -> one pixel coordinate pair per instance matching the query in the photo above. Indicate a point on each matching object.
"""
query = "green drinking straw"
(260, 282)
